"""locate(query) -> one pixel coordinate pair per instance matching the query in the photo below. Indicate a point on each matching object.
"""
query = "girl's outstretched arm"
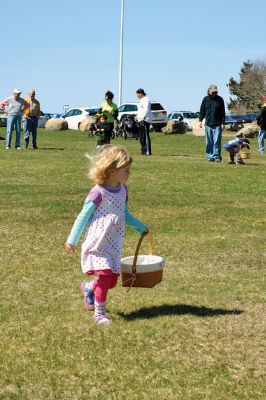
(79, 225)
(134, 222)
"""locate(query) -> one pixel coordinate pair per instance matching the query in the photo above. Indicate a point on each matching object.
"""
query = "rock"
(249, 131)
(56, 124)
(86, 124)
(196, 130)
(174, 127)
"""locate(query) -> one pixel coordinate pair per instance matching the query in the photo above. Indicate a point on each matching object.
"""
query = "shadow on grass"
(177, 309)
(176, 155)
(251, 164)
(51, 148)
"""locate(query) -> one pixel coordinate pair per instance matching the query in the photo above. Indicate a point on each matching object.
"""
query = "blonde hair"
(109, 157)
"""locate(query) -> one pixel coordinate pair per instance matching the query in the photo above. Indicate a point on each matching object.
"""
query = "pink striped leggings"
(102, 285)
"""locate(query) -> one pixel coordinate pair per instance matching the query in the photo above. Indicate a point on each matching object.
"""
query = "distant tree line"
(247, 93)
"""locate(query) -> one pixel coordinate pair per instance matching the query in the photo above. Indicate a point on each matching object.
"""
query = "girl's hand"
(69, 248)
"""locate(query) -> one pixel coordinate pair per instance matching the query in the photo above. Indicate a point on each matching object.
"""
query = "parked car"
(243, 119)
(49, 115)
(251, 116)
(236, 121)
(93, 111)
(159, 115)
(42, 120)
(75, 116)
(235, 124)
(185, 116)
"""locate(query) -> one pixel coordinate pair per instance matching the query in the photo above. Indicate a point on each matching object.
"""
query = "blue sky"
(69, 50)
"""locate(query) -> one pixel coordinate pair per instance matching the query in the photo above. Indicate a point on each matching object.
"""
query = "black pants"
(113, 134)
(103, 141)
(144, 137)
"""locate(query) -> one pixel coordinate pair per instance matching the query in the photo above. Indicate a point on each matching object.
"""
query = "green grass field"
(197, 335)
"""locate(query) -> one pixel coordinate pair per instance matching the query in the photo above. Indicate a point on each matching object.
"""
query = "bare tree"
(248, 92)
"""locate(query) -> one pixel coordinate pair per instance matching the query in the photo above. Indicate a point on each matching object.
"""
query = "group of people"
(16, 107)
(213, 111)
(108, 114)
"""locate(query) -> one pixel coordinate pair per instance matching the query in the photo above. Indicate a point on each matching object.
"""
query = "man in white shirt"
(144, 118)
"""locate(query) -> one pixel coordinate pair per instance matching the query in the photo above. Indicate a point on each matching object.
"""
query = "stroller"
(127, 127)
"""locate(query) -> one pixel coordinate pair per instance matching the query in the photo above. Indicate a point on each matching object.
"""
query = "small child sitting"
(102, 130)
(234, 146)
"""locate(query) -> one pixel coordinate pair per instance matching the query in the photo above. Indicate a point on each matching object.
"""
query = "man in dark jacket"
(213, 110)
(261, 121)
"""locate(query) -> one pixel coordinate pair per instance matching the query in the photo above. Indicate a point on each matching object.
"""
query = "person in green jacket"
(109, 108)
(213, 110)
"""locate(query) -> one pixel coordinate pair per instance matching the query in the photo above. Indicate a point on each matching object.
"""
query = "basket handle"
(134, 266)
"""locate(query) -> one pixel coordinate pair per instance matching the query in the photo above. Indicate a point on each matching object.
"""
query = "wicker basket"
(245, 154)
(143, 271)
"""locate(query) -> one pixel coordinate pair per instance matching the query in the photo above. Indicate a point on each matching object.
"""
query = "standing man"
(31, 120)
(144, 118)
(15, 107)
(213, 110)
(261, 121)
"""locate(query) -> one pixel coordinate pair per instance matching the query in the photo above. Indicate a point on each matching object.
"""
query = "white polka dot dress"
(102, 245)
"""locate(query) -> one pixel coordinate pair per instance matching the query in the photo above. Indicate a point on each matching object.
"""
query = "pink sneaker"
(88, 295)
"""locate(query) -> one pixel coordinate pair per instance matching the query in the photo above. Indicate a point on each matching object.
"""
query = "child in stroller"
(128, 127)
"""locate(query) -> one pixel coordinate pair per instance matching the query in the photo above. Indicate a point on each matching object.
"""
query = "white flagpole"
(121, 53)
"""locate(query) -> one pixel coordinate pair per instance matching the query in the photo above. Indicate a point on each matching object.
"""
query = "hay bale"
(174, 127)
(56, 124)
(86, 124)
(249, 131)
(196, 130)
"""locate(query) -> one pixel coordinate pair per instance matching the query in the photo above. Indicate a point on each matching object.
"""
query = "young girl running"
(104, 214)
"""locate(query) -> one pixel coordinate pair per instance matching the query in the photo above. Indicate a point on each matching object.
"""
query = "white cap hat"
(212, 88)
(17, 91)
